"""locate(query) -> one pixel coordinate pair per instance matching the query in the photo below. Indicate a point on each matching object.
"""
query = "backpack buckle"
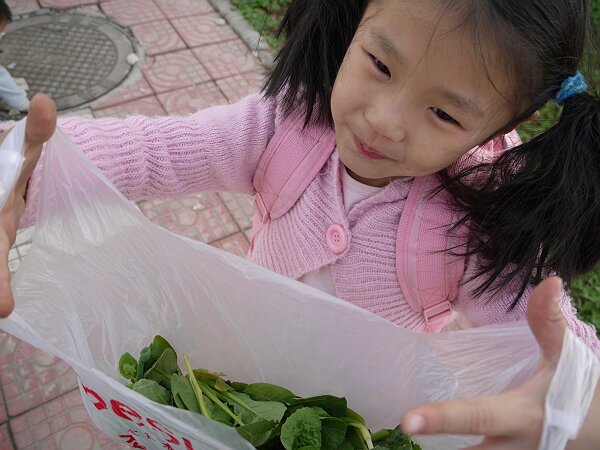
(437, 313)
(261, 209)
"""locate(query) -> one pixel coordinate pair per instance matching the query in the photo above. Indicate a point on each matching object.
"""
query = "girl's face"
(412, 95)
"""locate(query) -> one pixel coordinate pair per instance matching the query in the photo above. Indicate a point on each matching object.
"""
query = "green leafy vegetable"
(266, 415)
(183, 393)
(259, 432)
(152, 390)
(333, 432)
(397, 440)
(149, 355)
(128, 367)
(196, 388)
(266, 391)
(302, 429)
(163, 368)
(335, 406)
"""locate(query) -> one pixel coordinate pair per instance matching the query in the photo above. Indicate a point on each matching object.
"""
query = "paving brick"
(134, 88)
(5, 441)
(191, 99)
(236, 244)
(203, 30)
(173, 71)
(147, 106)
(3, 414)
(202, 217)
(131, 12)
(22, 6)
(30, 377)
(183, 8)
(63, 4)
(239, 86)
(62, 424)
(227, 59)
(241, 208)
(158, 37)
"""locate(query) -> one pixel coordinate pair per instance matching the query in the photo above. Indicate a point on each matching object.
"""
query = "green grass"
(265, 16)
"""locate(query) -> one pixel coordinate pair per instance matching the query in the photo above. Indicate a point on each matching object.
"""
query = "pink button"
(337, 239)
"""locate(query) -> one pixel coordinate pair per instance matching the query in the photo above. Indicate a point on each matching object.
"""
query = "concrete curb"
(249, 35)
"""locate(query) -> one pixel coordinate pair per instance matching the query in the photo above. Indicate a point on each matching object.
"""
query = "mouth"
(367, 151)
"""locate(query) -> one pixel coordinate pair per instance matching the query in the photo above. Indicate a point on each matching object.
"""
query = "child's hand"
(41, 123)
(512, 420)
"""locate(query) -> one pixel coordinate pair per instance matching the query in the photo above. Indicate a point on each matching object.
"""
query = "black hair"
(537, 212)
(318, 33)
(5, 12)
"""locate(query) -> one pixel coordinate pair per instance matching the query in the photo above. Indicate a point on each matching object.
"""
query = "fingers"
(7, 302)
(8, 230)
(507, 414)
(41, 124)
(41, 120)
(546, 319)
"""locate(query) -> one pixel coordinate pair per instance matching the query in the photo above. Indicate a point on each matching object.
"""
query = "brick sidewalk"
(193, 60)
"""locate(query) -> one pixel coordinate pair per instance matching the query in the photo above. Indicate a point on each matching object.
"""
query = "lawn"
(265, 15)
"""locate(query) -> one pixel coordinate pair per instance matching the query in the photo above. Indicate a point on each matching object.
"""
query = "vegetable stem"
(196, 388)
(237, 400)
(207, 391)
(363, 431)
(380, 435)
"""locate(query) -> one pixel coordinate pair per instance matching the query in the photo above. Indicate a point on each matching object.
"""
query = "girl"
(407, 88)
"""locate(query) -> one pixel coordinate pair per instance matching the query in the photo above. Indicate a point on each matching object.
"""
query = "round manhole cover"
(74, 57)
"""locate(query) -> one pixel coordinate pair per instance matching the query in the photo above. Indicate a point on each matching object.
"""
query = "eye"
(443, 116)
(381, 67)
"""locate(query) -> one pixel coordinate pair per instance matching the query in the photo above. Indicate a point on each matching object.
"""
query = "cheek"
(348, 85)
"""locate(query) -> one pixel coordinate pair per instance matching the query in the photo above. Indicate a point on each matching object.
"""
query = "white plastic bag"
(100, 280)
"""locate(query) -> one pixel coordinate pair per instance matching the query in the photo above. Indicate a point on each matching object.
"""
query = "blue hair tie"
(571, 86)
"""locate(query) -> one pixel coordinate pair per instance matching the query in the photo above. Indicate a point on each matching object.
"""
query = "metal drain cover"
(74, 57)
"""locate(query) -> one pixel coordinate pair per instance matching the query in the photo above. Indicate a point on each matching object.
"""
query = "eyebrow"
(465, 104)
(386, 44)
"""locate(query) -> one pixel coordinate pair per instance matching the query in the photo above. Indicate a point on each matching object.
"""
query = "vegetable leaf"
(205, 375)
(149, 355)
(250, 410)
(259, 432)
(183, 394)
(152, 390)
(335, 406)
(269, 392)
(397, 440)
(163, 368)
(333, 432)
(128, 367)
(354, 415)
(301, 429)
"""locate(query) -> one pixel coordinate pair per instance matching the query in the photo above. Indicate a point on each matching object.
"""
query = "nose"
(387, 118)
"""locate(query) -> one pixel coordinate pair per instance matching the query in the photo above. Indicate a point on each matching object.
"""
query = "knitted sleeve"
(216, 149)
(493, 308)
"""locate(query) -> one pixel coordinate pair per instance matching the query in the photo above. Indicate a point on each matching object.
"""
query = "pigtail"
(539, 211)
(318, 33)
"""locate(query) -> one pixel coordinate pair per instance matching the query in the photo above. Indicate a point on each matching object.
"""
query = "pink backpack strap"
(428, 275)
(292, 159)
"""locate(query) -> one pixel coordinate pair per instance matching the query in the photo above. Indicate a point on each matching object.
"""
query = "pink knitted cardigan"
(218, 149)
